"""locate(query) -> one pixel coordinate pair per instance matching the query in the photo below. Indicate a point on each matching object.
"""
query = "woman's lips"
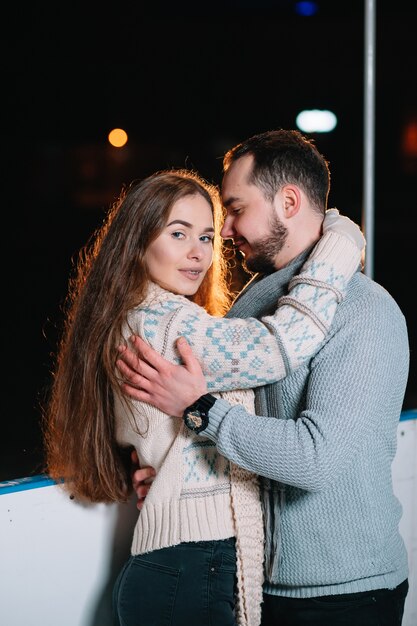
(191, 274)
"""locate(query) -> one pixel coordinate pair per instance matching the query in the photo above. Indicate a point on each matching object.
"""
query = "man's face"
(251, 220)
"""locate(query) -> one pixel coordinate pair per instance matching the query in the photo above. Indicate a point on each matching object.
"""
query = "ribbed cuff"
(216, 415)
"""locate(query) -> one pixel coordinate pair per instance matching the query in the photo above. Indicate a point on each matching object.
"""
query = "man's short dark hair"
(283, 157)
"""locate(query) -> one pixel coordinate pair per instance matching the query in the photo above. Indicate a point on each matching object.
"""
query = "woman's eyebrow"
(180, 222)
(188, 225)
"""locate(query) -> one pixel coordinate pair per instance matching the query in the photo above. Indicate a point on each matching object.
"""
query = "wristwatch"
(196, 416)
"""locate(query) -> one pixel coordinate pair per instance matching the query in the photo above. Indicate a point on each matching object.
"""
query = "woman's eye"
(206, 238)
(177, 234)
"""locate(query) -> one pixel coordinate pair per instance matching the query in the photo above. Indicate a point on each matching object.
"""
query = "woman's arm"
(246, 353)
(237, 353)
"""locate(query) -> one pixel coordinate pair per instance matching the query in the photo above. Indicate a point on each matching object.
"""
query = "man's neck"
(293, 250)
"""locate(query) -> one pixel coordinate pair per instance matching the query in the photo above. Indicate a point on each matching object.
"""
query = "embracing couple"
(265, 430)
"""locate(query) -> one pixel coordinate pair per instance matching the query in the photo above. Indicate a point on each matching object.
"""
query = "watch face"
(195, 418)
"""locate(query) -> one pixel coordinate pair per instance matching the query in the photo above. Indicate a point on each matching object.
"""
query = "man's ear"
(291, 196)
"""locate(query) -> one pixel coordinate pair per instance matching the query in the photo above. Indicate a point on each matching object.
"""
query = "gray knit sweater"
(324, 439)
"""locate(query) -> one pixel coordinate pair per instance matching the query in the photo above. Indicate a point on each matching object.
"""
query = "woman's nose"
(196, 251)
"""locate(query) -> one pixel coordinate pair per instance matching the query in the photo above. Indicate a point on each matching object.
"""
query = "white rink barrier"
(59, 559)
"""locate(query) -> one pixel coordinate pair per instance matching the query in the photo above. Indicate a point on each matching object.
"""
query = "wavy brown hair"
(110, 278)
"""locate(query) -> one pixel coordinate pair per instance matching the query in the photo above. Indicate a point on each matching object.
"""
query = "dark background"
(186, 81)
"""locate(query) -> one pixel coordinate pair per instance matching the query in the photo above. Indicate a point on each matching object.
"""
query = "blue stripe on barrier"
(411, 414)
(22, 484)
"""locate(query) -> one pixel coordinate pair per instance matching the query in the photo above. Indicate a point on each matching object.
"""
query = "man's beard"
(264, 250)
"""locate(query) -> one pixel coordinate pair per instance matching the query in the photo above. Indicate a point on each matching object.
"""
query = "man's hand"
(141, 479)
(148, 377)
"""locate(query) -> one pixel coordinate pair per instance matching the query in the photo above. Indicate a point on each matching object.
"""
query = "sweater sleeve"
(247, 353)
(355, 390)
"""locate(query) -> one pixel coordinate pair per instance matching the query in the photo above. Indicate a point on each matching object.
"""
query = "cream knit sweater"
(197, 494)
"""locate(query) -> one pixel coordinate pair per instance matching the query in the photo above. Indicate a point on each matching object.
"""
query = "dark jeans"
(382, 607)
(185, 585)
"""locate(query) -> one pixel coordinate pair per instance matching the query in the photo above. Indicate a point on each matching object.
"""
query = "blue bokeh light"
(306, 8)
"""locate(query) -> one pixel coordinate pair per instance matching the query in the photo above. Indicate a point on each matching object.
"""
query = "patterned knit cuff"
(334, 260)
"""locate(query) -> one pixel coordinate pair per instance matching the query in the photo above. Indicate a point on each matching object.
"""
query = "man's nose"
(227, 231)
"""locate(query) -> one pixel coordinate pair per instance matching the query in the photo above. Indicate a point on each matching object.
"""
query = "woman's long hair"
(109, 279)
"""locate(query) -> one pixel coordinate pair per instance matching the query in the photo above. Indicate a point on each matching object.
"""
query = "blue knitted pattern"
(201, 462)
(231, 350)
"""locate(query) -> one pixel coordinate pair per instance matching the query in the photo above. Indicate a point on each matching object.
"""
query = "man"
(324, 438)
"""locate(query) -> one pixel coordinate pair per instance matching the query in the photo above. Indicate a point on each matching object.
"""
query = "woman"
(156, 259)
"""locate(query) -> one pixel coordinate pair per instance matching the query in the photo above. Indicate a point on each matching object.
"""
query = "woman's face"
(180, 256)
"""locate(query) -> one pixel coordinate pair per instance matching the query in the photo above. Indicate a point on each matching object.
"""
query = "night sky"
(186, 81)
